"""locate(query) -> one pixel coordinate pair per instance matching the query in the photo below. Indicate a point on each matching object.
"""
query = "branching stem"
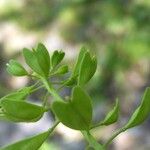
(51, 90)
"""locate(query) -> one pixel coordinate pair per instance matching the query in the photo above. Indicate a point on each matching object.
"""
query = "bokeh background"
(117, 31)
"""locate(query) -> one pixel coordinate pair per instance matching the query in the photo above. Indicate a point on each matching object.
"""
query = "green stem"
(37, 88)
(56, 82)
(53, 127)
(97, 125)
(60, 88)
(114, 136)
(45, 99)
(51, 90)
(92, 141)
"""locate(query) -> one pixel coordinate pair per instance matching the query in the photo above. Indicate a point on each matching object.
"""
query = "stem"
(60, 87)
(92, 141)
(97, 125)
(56, 82)
(53, 127)
(45, 99)
(37, 88)
(114, 136)
(51, 90)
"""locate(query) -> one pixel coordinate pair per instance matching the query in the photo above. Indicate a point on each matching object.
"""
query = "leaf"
(112, 116)
(62, 70)
(43, 58)
(19, 94)
(70, 82)
(142, 112)
(21, 111)
(33, 143)
(32, 61)
(83, 50)
(16, 69)
(77, 113)
(57, 57)
(87, 69)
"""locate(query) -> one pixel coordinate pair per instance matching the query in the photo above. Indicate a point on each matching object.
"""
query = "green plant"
(75, 112)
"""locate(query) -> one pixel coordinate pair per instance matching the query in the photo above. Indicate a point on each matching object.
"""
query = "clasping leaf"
(77, 113)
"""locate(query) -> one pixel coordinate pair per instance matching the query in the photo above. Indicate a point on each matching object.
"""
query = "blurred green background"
(117, 31)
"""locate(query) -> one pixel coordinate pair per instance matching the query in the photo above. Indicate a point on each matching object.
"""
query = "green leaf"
(142, 112)
(112, 116)
(87, 69)
(62, 70)
(83, 50)
(70, 82)
(77, 113)
(33, 143)
(16, 69)
(57, 57)
(43, 58)
(32, 61)
(21, 111)
(138, 117)
(19, 94)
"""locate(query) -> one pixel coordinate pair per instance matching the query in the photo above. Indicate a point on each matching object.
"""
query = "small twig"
(92, 141)
(53, 127)
(37, 88)
(45, 99)
(114, 136)
(97, 125)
